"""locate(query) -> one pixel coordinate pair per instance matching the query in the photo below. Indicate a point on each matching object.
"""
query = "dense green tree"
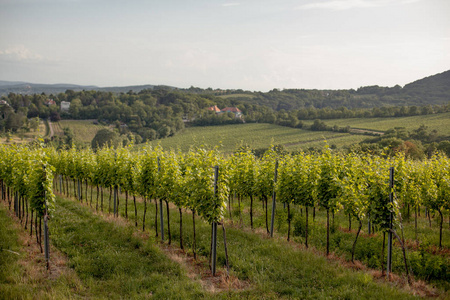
(105, 137)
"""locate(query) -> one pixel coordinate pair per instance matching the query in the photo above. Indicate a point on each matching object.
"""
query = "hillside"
(438, 122)
(432, 90)
(27, 88)
(230, 137)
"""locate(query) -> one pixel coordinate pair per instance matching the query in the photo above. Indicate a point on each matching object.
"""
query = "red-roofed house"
(50, 102)
(236, 111)
(214, 108)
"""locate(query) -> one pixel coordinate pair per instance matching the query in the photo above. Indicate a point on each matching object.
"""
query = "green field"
(439, 122)
(236, 96)
(262, 135)
(83, 130)
(230, 137)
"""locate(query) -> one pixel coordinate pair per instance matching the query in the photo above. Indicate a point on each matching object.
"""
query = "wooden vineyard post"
(214, 248)
(274, 196)
(16, 204)
(161, 215)
(78, 189)
(226, 249)
(46, 235)
(214, 227)
(116, 192)
(391, 200)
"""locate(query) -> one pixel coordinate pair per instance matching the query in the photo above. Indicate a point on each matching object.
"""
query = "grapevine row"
(358, 185)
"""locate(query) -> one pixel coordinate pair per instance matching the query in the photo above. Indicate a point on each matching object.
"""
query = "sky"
(255, 45)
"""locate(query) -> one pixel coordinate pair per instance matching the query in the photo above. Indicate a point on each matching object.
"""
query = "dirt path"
(312, 141)
(50, 129)
(363, 131)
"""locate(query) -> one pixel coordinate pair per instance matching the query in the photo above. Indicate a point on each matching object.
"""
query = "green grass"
(439, 122)
(113, 263)
(23, 276)
(272, 268)
(83, 130)
(423, 262)
(230, 137)
(9, 247)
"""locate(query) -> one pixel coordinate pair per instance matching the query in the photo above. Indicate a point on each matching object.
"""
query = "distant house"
(3, 102)
(65, 106)
(50, 102)
(234, 110)
(215, 109)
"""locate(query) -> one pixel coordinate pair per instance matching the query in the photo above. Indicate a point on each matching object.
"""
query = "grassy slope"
(272, 268)
(26, 137)
(22, 272)
(425, 264)
(9, 246)
(113, 263)
(230, 137)
(236, 96)
(83, 130)
(440, 122)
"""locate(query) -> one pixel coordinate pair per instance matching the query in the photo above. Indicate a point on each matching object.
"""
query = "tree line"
(160, 113)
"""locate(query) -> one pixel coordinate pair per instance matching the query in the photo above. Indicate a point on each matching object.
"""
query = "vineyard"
(254, 135)
(388, 213)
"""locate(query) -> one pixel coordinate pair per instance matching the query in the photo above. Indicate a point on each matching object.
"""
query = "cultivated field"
(97, 255)
(439, 122)
(83, 130)
(236, 96)
(230, 137)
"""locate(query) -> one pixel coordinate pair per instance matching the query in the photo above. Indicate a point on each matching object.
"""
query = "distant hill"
(436, 86)
(27, 88)
(432, 90)
(8, 83)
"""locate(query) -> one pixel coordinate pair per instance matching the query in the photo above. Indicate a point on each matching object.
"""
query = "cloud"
(350, 4)
(20, 53)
